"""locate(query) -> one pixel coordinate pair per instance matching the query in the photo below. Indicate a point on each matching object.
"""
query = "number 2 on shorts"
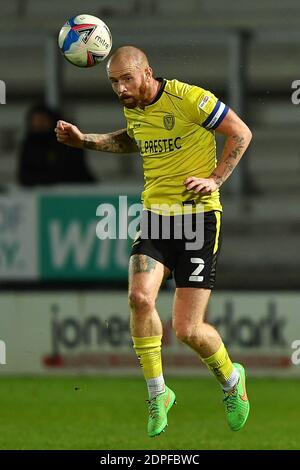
(195, 274)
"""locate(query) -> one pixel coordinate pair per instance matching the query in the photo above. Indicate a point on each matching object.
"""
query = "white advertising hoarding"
(18, 238)
(89, 332)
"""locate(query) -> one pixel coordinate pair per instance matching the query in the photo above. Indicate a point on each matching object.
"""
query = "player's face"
(129, 83)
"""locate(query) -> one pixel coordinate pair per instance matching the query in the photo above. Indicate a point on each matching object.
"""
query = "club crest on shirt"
(169, 121)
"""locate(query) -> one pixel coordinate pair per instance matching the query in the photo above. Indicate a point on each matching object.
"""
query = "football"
(85, 40)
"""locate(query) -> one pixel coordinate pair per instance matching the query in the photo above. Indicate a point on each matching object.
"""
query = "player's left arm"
(238, 138)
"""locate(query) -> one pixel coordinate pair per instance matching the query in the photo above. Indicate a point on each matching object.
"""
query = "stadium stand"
(270, 209)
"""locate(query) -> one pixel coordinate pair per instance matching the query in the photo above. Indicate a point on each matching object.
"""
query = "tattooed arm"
(238, 138)
(115, 142)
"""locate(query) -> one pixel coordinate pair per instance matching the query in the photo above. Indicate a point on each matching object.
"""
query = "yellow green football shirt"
(175, 135)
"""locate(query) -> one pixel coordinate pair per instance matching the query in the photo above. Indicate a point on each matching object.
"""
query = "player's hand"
(68, 134)
(201, 185)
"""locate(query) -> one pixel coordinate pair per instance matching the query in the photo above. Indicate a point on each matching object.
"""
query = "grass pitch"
(111, 413)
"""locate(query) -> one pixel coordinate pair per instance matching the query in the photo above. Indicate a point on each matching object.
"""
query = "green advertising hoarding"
(69, 243)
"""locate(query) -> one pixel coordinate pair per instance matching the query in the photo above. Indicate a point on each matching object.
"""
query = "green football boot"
(236, 402)
(158, 410)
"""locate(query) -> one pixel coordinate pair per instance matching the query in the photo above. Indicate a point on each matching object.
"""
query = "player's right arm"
(115, 142)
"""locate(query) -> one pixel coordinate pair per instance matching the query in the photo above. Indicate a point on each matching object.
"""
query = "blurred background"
(245, 52)
(63, 291)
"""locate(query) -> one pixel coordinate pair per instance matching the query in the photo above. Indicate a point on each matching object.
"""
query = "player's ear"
(149, 73)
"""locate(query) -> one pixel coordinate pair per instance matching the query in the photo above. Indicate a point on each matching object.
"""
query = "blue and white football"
(85, 40)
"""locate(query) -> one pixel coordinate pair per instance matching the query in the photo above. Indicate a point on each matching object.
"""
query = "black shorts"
(189, 248)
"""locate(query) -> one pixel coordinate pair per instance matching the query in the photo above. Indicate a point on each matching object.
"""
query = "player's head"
(130, 75)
